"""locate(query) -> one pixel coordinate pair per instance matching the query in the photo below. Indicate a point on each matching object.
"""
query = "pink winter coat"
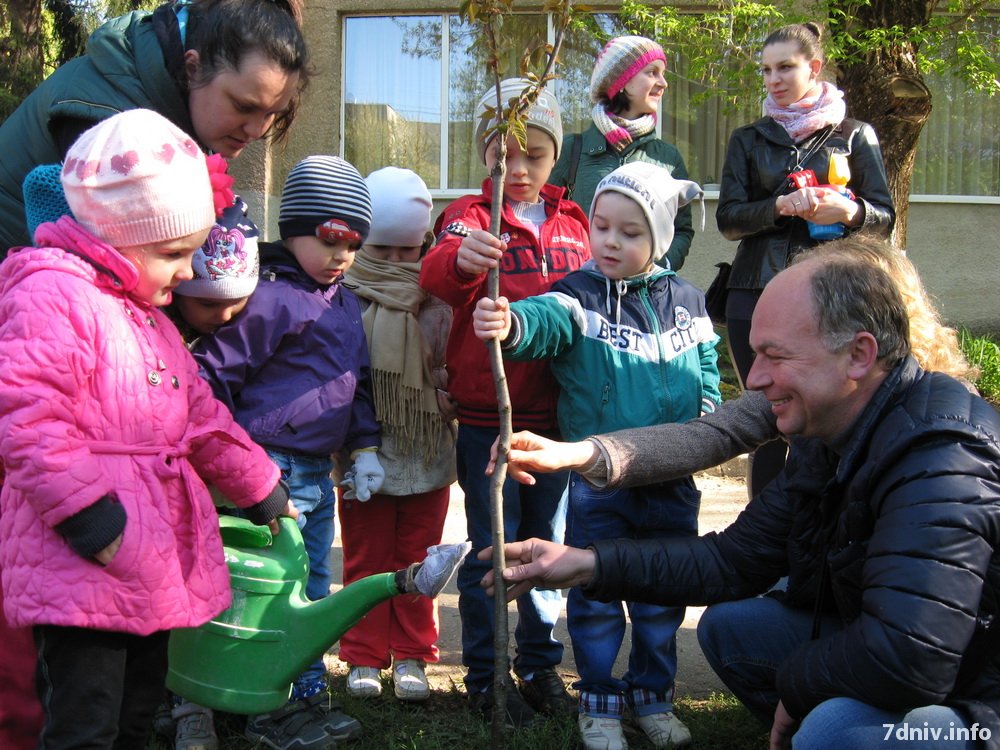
(99, 396)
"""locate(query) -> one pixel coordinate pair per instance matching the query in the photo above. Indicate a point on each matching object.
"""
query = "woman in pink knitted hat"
(626, 88)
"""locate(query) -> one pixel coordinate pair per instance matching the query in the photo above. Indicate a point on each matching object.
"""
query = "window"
(393, 102)
(959, 148)
(412, 104)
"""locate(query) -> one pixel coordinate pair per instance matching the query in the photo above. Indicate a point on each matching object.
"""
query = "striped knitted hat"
(321, 188)
(618, 63)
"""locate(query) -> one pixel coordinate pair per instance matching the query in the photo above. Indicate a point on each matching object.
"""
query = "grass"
(983, 352)
(730, 384)
(444, 722)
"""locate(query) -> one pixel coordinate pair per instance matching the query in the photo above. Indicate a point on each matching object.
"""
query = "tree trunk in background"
(886, 89)
(20, 52)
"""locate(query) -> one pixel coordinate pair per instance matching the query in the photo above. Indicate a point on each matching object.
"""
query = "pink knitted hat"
(137, 179)
(618, 63)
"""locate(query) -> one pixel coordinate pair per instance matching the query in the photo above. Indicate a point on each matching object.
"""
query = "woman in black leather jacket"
(804, 128)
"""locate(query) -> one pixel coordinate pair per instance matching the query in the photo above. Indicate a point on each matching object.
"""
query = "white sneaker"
(409, 681)
(364, 682)
(602, 733)
(664, 729)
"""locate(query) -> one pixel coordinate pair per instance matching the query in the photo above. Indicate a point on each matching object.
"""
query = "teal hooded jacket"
(628, 354)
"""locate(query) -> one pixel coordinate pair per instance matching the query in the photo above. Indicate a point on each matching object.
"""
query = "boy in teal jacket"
(631, 345)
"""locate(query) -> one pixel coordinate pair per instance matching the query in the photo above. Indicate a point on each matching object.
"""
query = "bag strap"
(816, 146)
(574, 163)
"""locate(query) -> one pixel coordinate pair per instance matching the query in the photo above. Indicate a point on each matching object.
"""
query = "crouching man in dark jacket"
(886, 521)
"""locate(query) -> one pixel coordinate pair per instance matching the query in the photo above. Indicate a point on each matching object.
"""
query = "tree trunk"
(20, 58)
(886, 89)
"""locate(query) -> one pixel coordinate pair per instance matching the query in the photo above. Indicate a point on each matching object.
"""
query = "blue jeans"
(311, 489)
(848, 724)
(597, 628)
(745, 642)
(529, 511)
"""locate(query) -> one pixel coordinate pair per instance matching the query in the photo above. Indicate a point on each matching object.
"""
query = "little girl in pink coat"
(108, 535)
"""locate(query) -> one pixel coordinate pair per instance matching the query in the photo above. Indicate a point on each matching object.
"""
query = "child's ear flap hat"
(227, 266)
(658, 194)
(321, 189)
(544, 114)
(138, 179)
(619, 62)
(401, 208)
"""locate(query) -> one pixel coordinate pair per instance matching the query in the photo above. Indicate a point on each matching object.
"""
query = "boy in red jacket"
(543, 237)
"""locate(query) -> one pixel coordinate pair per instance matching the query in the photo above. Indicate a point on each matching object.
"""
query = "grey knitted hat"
(658, 193)
(320, 188)
(544, 114)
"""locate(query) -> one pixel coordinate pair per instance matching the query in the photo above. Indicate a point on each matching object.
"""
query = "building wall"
(955, 246)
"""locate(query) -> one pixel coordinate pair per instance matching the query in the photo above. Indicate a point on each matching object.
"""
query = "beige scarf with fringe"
(405, 400)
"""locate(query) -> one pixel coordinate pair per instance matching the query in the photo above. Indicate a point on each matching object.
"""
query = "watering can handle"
(239, 532)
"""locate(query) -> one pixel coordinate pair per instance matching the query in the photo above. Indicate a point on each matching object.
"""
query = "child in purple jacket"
(293, 367)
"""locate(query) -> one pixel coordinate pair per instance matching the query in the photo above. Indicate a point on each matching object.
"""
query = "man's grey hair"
(852, 294)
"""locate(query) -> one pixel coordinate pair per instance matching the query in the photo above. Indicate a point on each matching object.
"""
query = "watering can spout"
(245, 659)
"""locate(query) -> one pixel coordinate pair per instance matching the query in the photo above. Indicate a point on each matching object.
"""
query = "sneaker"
(337, 724)
(664, 729)
(195, 727)
(410, 681)
(364, 682)
(163, 722)
(546, 693)
(294, 726)
(602, 733)
(519, 713)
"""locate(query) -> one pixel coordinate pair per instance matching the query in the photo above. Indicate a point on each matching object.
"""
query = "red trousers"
(385, 534)
(20, 711)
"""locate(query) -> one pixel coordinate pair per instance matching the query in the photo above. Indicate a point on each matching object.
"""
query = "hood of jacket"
(88, 257)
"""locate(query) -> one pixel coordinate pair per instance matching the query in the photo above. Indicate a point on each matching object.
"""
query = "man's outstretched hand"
(536, 562)
(530, 452)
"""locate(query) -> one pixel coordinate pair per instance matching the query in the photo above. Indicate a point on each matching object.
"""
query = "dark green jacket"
(122, 68)
(598, 160)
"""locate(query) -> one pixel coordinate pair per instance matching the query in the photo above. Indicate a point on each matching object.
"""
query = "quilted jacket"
(99, 397)
(899, 535)
(293, 366)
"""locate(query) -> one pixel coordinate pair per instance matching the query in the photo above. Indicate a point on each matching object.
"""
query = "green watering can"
(245, 659)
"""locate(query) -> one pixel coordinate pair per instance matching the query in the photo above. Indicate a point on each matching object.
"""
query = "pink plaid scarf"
(810, 113)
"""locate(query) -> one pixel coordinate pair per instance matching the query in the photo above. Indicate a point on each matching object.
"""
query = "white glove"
(365, 477)
(439, 566)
